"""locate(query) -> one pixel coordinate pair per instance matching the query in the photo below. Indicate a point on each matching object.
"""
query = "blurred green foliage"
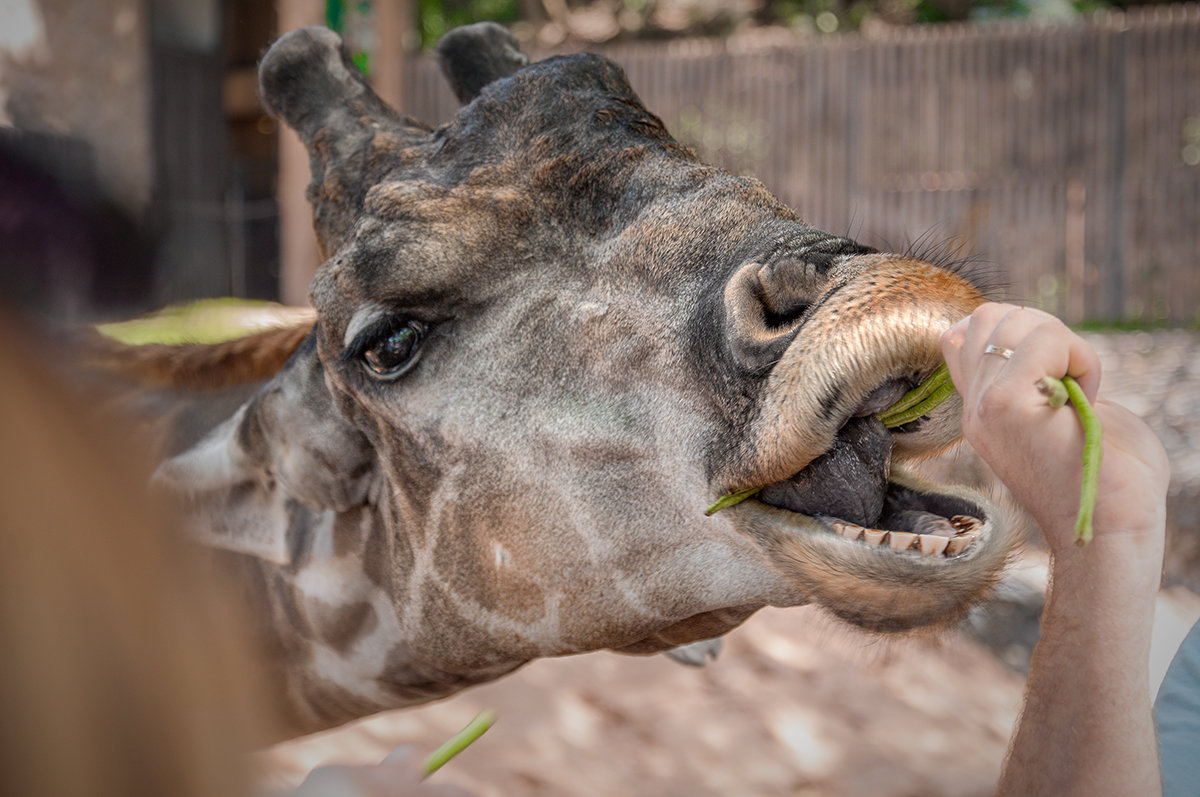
(435, 18)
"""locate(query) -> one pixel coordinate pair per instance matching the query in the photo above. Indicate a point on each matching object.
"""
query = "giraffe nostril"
(764, 305)
(783, 318)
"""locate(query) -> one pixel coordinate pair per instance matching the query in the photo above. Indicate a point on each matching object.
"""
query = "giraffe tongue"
(848, 482)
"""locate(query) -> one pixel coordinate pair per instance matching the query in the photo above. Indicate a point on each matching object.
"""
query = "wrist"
(1132, 559)
(1109, 585)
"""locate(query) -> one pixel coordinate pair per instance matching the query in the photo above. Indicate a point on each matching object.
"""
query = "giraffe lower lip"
(882, 575)
(920, 522)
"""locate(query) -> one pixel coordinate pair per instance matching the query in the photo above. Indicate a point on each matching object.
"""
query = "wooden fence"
(1067, 155)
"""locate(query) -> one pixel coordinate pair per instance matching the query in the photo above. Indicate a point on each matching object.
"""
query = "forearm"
(1087, 726)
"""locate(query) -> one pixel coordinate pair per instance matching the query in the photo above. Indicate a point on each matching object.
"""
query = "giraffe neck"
(343, 629)
(337, 642)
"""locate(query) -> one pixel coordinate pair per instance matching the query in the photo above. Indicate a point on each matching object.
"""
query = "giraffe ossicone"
(547, 338)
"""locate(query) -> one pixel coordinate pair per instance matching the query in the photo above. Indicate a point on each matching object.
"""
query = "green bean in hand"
(1057, 393)
(459, 741)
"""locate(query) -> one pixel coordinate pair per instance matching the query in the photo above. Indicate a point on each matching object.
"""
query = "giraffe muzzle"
(837, 512)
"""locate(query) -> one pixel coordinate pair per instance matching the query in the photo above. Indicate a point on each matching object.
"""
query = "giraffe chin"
(928, 555)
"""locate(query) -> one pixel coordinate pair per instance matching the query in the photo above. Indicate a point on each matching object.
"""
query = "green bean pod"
(459, 741)
(1057, 393)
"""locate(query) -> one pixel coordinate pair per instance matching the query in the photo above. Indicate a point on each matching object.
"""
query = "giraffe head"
(548, 338)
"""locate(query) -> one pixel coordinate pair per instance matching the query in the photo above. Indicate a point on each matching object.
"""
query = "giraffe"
(547, 337)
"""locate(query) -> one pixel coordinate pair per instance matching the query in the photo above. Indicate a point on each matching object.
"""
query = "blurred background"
(1058, 140)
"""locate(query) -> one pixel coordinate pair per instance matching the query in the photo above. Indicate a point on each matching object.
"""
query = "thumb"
(408, 759)
(402, 753)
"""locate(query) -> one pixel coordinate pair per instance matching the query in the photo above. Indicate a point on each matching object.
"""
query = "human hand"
(1036, 450)
(398, 775)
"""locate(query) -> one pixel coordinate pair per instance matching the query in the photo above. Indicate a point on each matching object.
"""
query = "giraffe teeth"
(933, 544)
(900, 541)
(965, 523)
(848, 530)
(961, 543)
(874, 537)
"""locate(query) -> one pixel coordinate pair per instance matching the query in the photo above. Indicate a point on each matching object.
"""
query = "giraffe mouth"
(850, 492)
(876, 546)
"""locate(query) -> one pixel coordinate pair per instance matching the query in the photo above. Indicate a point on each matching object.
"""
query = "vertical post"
(1074, 248)
(392, 21)
(1113, 307)
(852, 97)
(298, 252)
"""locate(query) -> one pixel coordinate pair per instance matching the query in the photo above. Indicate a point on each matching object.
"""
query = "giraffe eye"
(393, 353)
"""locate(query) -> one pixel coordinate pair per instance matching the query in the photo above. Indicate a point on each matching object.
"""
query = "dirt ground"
(797, 704)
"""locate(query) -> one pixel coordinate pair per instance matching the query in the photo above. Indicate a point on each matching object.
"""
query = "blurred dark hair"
(125, 669)
(68, 252)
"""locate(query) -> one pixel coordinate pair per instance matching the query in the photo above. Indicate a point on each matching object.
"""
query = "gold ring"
(992, 348)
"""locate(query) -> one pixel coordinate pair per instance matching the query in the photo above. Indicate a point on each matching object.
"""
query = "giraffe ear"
(474, 55)
(287, 451)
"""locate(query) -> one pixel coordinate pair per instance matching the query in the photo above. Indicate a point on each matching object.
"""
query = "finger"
(404, 752)
(407, 761)
(1084, 367)
(952, 343)
(966, 341)
(1060, 351)
(1049, 348)
(973, 368)
(1007, 333)
(1043, 351)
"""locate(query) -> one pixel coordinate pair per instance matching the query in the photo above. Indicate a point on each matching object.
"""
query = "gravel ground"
(1157, 376)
